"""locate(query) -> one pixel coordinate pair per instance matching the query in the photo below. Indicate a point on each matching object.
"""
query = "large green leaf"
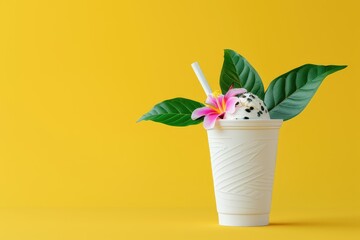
(289, 94)
(238, 72)
(174, 112)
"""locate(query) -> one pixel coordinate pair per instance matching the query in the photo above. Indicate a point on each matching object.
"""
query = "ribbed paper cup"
(243, 156)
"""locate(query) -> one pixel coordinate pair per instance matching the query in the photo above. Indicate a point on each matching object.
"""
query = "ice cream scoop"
(249, 106)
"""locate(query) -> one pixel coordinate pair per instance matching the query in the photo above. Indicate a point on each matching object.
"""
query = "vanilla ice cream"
(249, 106)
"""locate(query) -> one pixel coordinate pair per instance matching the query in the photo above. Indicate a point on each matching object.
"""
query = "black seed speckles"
(236, 103)
(252, 96)
(259, 113)
(249, 100)
(246, 117)
(251, 108)
(262, 108)
(266, 110)
(248, 110)
(243, 96)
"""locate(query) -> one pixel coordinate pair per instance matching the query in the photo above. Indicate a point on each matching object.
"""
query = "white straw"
(201, 78)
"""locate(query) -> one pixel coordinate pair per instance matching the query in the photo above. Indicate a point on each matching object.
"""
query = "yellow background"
(76, 75)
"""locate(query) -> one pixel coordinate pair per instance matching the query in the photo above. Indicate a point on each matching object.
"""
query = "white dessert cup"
(243, 156)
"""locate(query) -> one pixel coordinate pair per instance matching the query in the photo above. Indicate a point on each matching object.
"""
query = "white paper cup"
(243, 156)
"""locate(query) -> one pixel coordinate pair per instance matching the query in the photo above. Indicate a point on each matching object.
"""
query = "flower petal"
(211, 100)
(230, 104)
(199, 112)
(220, 103)
(233, 92)
(210, 119)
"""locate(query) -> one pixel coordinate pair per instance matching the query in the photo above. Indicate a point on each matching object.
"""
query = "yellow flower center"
(221, 106)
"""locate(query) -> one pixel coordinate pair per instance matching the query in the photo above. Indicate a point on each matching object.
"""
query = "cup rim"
(248, 123)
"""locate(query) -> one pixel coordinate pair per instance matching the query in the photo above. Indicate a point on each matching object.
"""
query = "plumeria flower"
(217, 105)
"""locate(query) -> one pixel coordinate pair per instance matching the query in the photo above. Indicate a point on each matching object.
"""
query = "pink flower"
(217, 105)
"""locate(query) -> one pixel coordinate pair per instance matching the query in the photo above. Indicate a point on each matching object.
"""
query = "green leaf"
(288, 94)
(174, 112)
(238, 72)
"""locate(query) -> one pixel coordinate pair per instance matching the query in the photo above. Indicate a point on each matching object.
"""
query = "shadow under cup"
(243, 156)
